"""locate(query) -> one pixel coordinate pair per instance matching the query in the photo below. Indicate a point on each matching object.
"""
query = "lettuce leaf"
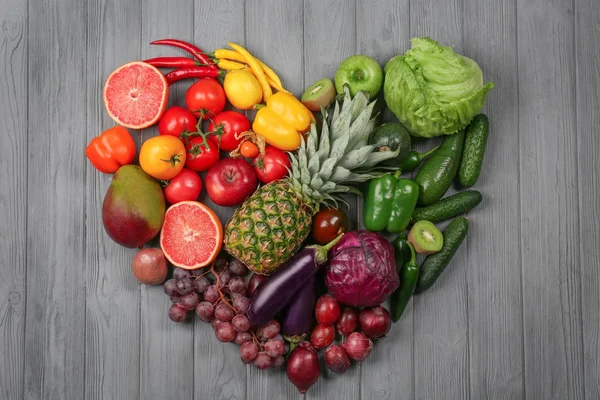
(432, 90)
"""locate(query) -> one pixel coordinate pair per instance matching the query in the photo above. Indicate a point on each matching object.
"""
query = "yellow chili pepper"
(229, 65)
(256, 68)
(235, 56)
(282, 121)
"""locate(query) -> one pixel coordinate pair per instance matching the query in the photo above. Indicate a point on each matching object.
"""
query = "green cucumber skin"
(438, 171)
(449, 207)
(434, 264)
(472, 158)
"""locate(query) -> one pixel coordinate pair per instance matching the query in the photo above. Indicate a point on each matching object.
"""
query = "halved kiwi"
(425, 237)
(319, 94)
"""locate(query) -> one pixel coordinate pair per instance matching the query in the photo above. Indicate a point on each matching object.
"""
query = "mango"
(134, 206)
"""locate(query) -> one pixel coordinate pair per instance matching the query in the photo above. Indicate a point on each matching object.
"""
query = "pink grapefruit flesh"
(191, 236)
(136, 94)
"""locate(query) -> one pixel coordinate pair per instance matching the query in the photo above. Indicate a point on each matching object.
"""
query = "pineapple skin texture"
(269, 227)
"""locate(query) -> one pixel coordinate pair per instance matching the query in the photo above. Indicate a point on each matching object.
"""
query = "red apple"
(230, 181)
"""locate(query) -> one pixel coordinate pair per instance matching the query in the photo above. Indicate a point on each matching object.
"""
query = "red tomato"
(199, 157)
(185, 186)
(232, 123)
(328, 224)
(175, 120)
(272, 166)
(205, 98)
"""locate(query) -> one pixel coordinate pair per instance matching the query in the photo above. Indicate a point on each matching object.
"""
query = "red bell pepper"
(112, 149)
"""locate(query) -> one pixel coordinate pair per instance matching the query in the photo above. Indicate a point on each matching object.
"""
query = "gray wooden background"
(516, 316)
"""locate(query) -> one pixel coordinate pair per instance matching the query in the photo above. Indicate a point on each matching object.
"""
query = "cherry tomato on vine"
(185, 186)
(200, 155)
(226, 125)
(328, 224)
(205, 98)
(272, 166)
(175, 120)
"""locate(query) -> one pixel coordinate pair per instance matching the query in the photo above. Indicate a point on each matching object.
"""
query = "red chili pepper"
(190, 48)
(192, 72)
(172, 62)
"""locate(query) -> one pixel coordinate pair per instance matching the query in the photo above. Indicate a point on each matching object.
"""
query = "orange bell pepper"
(112, 149)
(282, 121)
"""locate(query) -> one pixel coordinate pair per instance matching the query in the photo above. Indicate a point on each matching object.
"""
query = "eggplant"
(298, 317)
(277, 291)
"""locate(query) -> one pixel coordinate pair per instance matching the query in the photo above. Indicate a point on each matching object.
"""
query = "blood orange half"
(136, 94)
(192, 235)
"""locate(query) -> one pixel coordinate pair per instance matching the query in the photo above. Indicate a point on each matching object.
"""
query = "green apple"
(359, 73)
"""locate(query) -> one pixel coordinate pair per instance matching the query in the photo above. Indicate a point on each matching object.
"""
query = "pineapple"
(272, 223)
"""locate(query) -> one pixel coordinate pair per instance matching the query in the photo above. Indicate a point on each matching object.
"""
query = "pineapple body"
(269, 227)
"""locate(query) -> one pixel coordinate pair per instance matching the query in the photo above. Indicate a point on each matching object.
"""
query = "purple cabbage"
(362, 269)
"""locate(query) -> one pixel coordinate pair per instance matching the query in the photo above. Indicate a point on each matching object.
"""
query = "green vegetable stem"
(389, 203)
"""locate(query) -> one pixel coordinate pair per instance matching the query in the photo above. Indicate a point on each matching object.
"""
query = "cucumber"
(391, 136)
(438, 171)
(434, 264)
(472, 158)
(449, 207)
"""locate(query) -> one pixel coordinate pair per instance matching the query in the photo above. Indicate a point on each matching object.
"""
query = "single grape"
(225, 277)
(189, 301)
(211, 294)
(185, 286)
(274, 347)
(242, 337)
(279, 362)
(248, 352)
(215, 323)
(225, 332)
(237, 284)
(180, 273)
(241, 304)
(269, 330)
(238, 268)
(223, 312)
(220, 264)
(240, 323)
(205, 311)
(170, 288)
(177, 313)
(200, 284)
(263, 361)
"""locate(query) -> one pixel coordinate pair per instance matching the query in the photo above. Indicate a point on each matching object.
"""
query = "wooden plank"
(330, 37)
(494, 274)
(112, 324)
(218, 371)
(587, 56)
(55, 322)
(441, 314)
(382, 32)
(280, 44)
(166, 359)
(550, 240)
(13, 194)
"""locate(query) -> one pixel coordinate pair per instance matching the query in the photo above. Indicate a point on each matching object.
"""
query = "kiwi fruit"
(425, 237)
(319, 94)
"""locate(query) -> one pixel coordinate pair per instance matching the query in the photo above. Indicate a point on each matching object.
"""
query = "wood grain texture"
(218, 371)
(55, 320)
(587, 56)
(166, 350)
(382, 32)
(494, 274)
(13, 195)
(330, 37)
(441, 327)
(112, 324)
(549, 204)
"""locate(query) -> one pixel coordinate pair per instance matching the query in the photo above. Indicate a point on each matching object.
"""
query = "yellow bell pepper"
(282, 121)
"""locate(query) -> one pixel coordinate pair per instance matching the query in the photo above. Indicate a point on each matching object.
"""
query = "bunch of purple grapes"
(222, 300)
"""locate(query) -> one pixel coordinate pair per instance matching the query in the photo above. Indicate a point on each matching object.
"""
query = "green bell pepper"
(389, 203)
(409, 276)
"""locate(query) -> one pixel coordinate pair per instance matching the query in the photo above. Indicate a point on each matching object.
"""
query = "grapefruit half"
(136, 94)
(192, 235)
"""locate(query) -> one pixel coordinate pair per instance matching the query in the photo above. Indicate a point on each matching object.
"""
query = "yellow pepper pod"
(277, 131)
(290, 109)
